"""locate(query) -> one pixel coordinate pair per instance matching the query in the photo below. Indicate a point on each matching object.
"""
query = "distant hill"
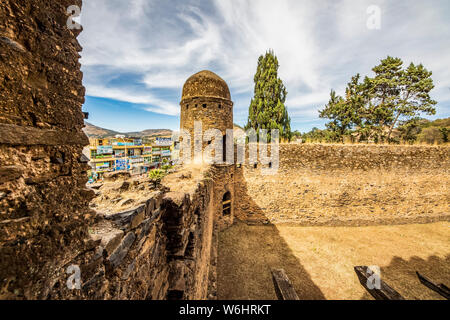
(97, 132)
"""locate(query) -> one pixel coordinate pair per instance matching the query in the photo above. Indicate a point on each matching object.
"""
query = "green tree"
(444, 132)
(410, 129)
(267, 108)
(344, 113)
(374, 107)
(413, 94)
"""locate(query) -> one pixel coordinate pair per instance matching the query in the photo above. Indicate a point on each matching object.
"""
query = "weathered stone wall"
(347, 185)
(49, 238)
(158, 250)
(43, 200)
(362, 157)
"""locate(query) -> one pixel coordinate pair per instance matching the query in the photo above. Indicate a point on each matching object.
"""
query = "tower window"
(187, 106)
(226, 204)
(204, 105)
(220, 106)
(224, 148)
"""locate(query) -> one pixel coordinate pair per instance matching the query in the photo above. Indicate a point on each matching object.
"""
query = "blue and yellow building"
(128, 154)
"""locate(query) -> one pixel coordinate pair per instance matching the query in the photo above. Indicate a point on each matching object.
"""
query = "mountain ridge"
(93, 131)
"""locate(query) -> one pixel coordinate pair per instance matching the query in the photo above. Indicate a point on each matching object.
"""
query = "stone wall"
(362, 157)
(52, 245)
(43, 200)
(158, 250)
(347, 185)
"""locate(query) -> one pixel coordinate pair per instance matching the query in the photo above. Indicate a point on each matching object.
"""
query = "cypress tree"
(267, 109)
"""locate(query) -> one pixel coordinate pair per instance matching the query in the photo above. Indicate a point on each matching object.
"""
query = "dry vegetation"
(121, 192)
(320, 260)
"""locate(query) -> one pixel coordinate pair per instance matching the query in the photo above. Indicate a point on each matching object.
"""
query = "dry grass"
(320, 260)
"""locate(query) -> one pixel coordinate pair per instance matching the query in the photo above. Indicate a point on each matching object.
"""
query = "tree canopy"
(267, 108)
(373, 107)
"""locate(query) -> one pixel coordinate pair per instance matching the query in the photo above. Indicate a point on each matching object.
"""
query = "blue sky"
(138, 53)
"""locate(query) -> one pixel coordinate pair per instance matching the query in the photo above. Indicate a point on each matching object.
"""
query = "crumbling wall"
(52, 246)
(43, 200)
(157, 250)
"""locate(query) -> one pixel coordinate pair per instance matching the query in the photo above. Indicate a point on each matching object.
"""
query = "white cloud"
(149, 102)
(320, 45)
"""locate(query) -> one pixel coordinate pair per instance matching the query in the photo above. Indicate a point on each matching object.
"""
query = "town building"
(135, 155)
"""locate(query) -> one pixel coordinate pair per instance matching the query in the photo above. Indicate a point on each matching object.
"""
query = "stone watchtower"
(206, 98)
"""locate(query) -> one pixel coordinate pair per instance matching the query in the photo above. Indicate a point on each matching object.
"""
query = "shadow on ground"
(401, 275)
(248, 276)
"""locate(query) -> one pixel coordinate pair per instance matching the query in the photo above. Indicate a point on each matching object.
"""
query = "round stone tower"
(206, 98)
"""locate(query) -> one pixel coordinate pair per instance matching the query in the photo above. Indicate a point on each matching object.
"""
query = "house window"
(226, 204)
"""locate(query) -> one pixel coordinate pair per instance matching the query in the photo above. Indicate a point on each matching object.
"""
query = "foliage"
(156, 176)
(372, 108)
(415, 130)
(267, 108)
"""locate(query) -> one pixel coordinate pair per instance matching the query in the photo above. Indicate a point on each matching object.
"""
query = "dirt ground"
(121, 191)
(320, 260)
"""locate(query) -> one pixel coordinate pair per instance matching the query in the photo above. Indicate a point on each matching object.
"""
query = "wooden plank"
(283, 286)
(441, 289)
(384, 292)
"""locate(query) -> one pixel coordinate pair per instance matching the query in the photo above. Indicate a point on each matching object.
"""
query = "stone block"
(109, 240)
(121, 252)
(129, 219)
(9, 173)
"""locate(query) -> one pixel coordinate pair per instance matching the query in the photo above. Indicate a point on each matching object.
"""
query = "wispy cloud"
(142, 51)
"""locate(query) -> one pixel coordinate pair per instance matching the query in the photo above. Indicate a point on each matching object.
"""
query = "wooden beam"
(384, 292)
(441, 289)
(283, 286)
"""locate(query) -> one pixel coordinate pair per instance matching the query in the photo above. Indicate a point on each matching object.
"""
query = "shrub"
(156, 176)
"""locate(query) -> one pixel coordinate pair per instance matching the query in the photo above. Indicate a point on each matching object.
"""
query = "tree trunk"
(392, 127)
